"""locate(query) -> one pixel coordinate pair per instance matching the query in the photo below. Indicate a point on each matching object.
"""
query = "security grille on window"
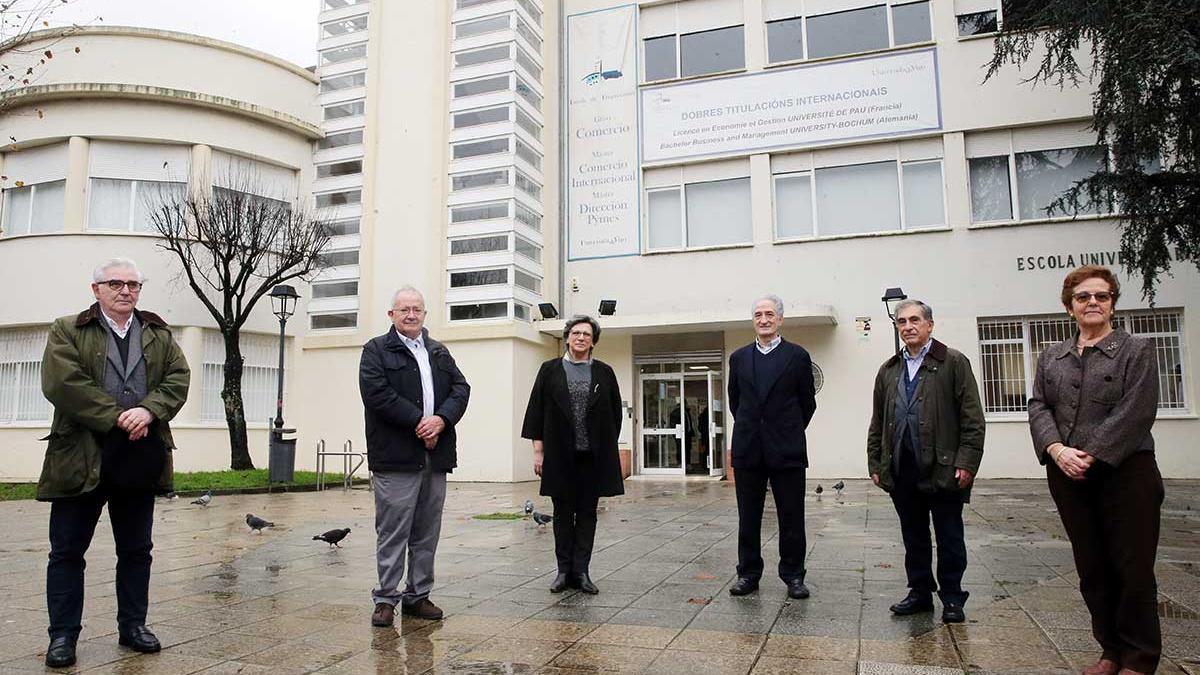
(21, 397)
(1009, 350)
(260, 369)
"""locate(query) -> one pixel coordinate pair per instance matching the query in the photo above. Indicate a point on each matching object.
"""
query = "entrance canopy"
(691, 322)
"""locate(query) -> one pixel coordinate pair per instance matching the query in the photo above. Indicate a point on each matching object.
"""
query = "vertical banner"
(602, 172)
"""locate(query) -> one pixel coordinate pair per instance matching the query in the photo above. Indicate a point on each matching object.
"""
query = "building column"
(75, 190)
(755, 40)
(958, 190)
(191, 341)
(200, 176)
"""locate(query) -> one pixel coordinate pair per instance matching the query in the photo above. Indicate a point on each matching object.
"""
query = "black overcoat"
(770, 433)
(548, 419)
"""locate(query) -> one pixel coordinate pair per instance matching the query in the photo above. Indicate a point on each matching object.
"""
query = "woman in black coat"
(573, 418)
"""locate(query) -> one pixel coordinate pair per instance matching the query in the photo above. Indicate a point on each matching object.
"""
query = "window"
(532, 10)
(848, 32)
(785, 40)
(712, 51)
(473, 118)
(525, 91)
(977, 23)
(339, 4)
(529, 124)
(482, 179)
(483, 86)
(466, 214)
(479, 27)
(488, 244)
(485, 310)
(1041, 177)
(527, 281)
(344, 26)
(478, 56)
(341, 110)
(339, 198)
(713, 214)
(340, 82)
(857, 30)
(343, 54)
(528, 249)
(662, 63)
(127, 205)
(528, 186)
(342, 227)
(859, 199)
(479, 278)
(330, 321)
(527, 62)
(1009, 349)
(335, 289)
(529, 155)
(21, 397)
(479, 148)
(910, 24)
(528, 217)
(521, 311)
(339, 258)
(464, 4)
(348, 168)
(34, 208)
(260, 370)
(341, 139)
(531, 37)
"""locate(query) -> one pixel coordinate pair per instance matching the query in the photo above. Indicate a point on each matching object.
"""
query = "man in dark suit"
(772, 398)
(413, 395)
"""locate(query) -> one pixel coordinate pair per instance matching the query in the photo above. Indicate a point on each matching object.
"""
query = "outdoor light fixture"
(281, 451)
(283, 301)
(608, 307)
(547, 310)
(891, 298)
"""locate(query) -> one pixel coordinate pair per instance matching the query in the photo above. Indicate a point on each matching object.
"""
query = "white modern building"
(681, 159)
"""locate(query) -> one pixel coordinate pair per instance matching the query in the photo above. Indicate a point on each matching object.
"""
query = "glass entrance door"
(662, 424)
(714, 421)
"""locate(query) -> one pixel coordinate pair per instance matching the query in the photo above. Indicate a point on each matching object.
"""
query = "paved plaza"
(225, 600)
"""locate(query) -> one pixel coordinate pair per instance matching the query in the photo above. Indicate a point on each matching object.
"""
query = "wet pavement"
(224, 600)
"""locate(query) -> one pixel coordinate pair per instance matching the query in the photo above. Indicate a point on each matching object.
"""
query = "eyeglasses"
(402, 311)
(115, 285)
(1083, 297)
(579, 333)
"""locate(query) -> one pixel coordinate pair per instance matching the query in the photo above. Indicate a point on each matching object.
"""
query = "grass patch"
(11, 491)
(199, 481)
(499, 515)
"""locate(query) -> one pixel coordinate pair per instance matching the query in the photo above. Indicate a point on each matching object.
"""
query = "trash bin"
(281, 461)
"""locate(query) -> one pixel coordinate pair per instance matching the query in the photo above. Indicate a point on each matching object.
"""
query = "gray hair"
(99, 275)
(773, 298)
(407, 290)
(582, 318)
(926, 310)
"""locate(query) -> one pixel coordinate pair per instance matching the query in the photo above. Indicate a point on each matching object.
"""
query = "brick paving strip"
(227, 601)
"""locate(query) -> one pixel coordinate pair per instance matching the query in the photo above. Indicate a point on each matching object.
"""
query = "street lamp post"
(282, 458)
(891, 298)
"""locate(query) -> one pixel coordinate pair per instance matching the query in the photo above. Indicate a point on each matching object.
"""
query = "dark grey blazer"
(1103, 403)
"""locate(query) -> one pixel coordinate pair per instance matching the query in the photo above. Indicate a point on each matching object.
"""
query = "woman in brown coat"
(1095, 397)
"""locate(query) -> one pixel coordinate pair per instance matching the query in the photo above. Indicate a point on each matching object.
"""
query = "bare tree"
(21, 63)
(234, 246)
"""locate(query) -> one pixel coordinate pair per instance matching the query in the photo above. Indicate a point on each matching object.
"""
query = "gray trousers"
(408, 519)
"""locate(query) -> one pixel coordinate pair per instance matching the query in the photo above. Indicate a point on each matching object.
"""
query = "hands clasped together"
(135, 422)
(428, 430)
(1073, 461)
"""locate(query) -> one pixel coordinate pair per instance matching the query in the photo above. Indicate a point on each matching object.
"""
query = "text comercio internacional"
(778, 103)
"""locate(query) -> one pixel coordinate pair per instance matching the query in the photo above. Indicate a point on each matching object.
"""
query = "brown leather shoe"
(1102, 667)
(384, 615)
(422, 609)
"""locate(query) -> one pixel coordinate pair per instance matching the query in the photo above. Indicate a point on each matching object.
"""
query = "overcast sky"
(285, 28)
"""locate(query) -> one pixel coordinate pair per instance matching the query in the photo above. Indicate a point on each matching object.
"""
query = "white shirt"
(417, 347)
(770, 345)
(121, 331)
(914, 362)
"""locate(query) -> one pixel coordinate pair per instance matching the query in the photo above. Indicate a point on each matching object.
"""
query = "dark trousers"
(575, 519)
(915, 509)
(72, 524)
(787, 486)
(1112, 520)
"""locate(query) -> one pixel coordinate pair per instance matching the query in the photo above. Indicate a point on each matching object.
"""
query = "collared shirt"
(121, 331)
(417, 347)
(770, 345)
(568, 359)
(914, 362)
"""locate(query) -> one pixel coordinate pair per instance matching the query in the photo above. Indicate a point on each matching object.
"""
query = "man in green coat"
(115, 377)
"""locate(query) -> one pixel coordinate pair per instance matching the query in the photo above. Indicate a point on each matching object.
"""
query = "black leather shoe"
(60, 653)
(560, 583)
(743, 586)
(140, 639)
(953, 614)
(797, 590)
(586, 585)
(915, 603)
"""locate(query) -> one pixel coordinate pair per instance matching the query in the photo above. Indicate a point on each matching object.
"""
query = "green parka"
(72, 380)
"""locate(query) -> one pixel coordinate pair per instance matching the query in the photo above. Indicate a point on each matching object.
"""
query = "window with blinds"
(260, 368)
(21, 399)
(1009, 349)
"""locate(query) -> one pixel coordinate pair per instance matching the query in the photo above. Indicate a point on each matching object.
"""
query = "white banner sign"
(872, 96)
(603, 200)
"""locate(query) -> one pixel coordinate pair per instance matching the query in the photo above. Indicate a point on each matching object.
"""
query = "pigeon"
(204, 499)
(332, 537)
(839, 486)
(257, 524)
(528, 506)
(541, 519)
(820, 489)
